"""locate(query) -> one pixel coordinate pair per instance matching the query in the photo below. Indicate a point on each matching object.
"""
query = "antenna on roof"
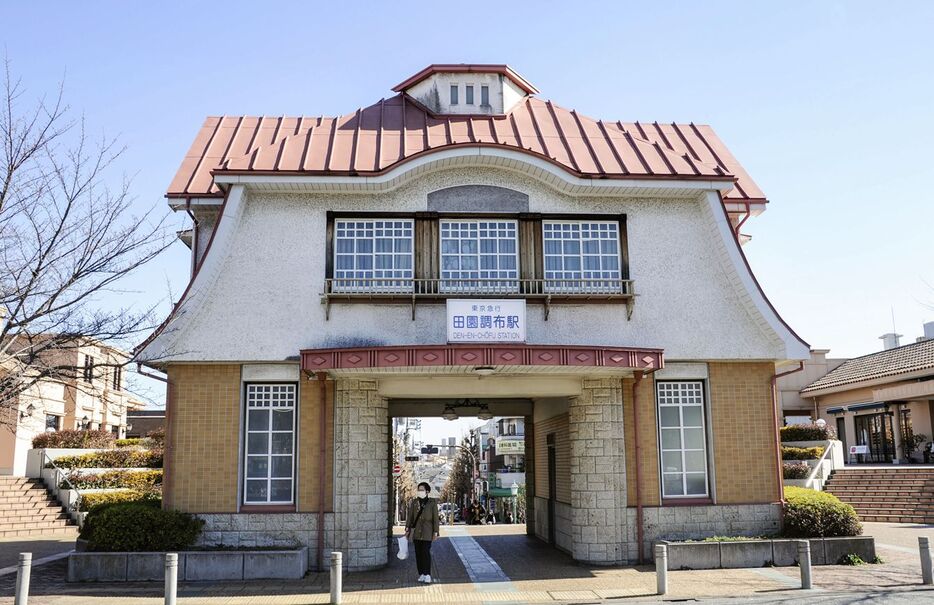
(894, 330)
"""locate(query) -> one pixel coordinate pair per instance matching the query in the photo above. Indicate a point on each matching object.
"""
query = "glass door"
(875, 430)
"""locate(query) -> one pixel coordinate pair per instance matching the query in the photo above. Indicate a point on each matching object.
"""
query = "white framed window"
(479, 255)
(682, 438)
(270, 444)
(373, 255)
(484, 95)
(581, 256)
(468, 94)
(454, 91)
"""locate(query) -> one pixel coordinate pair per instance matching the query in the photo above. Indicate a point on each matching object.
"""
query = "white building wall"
(263, 300)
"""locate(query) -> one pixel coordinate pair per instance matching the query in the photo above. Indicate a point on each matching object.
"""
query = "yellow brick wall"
(559, 426)
(310, 462)
(648, 442)
(743, 432)
(202, 438)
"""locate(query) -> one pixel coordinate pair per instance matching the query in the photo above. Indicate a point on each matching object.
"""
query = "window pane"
(671, 462)
(694, 439)
(697, 484)
(671, 439)
(484, 95)
(258, 420)
(281, 466)
(373, 255)
(468, 95)
(281, 490)
(282, 420)
(258, 443)
(694, 461)
(454, 94)
(256, 491)
(672, 485)
(282, 443)
(693, 415)
(669, 416)
(476, 254)
(576, 258)
(257, 466)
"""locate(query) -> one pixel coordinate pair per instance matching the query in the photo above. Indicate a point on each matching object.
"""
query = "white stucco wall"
(435, 93)
(260, 296)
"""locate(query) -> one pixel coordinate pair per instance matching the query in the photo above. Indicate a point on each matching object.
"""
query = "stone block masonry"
(598, 474)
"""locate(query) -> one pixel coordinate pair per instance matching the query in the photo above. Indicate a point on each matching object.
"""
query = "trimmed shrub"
(809, 513)
(138, 480)
(130, 442)
(74, 439)
(93, 500)
(807, 432)
(802, 453)
(139, 527)
(156, 437)
(795, 470)
(117, 458)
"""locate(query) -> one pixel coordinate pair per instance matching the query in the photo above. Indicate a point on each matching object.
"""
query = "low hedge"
(138, 480)
(139, 527)
(129, 442)
(118, 458)
(809, 513)
(795, 470)
(92, 500)
(156, 437)
(807, 432)
(801, 453)
(73, 439)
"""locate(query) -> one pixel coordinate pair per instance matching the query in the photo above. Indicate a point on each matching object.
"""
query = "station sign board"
(486, 320)
(510, 446)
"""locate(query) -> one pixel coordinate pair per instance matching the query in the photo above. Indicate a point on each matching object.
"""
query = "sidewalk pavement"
(41, 547)
(526, 571)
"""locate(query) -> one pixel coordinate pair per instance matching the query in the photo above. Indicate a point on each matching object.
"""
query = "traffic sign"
(396, 470)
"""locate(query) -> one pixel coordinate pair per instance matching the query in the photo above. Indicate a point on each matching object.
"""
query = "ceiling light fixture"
(484, 413)
(449, 413)
(484, 370)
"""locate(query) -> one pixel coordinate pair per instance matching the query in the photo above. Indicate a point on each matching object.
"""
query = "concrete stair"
(27, 509)
(891, 494)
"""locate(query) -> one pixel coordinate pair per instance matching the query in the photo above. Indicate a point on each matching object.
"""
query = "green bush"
(138, 480)
(809, 513)
(118, 458)
(92, 500)
(74, 439)
(129, 442)
(795, 470)
(807, 432)
(801, 453)
(139, 527)
(156, 437)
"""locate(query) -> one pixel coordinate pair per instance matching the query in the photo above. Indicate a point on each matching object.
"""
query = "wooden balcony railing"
(545, 291)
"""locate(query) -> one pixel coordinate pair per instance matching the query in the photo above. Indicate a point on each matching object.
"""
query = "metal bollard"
(804, 562)
(927, 572)
(23, 569)
(661, 568)
(336, 570)
(171, 577)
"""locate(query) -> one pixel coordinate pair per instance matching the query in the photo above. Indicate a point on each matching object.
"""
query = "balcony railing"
(417, 290)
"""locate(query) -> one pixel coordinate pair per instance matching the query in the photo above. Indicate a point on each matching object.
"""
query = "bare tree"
(67, 239)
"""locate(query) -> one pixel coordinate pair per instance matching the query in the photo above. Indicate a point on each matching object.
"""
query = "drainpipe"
(635, 432)
(322, 466)
(779, 476)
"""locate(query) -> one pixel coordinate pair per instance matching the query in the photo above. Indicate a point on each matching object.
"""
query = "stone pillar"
(598, 474)
(530, 454)
(361, 467)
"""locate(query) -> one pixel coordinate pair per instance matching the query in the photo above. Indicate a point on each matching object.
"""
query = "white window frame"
(473, 94)
(455, 94)
(468, 284)
(276, 391)
(485, 88)
(668, 395)
(373, 283)
(569, 283)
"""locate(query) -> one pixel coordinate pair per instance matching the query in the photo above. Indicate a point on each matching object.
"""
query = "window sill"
(267, 508)
(687, 501)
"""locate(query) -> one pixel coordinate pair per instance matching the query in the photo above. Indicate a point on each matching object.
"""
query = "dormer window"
(454, 91)
(468, 94)
(467, 89)
(485, 96)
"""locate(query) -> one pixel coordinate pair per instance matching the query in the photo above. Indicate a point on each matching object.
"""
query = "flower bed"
(807, 432)
(802, 453)
(73, 439)
(118, 479)
(91, 500)
(795, 470)
(118, 458)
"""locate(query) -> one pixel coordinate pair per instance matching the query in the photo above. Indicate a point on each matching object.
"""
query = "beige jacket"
(428, 523)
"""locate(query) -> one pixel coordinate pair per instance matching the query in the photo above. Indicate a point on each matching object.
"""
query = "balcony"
(414, 291)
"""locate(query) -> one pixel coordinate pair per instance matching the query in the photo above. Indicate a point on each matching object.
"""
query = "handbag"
(403, 548)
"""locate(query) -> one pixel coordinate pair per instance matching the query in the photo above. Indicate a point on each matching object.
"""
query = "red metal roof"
(461, 68)
(374, 139)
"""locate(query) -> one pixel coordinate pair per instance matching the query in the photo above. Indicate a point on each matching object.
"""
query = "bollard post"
(804, 562)
(661, 568)
(336, 570)
(23, 568)
(927, 572)
(171, 577)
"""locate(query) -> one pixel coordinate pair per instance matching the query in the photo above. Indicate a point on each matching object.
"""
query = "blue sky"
(828, 105)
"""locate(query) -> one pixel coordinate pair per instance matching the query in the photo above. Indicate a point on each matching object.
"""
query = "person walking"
(422, 526)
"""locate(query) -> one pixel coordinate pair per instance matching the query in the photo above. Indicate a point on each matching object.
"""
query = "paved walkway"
(500, 564)
(42, 548)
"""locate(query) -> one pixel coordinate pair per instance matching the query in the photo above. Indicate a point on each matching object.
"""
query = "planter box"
(761, 553)
(192, 565)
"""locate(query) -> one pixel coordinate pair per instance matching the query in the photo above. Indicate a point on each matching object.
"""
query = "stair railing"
(73, 508)
(817, 474)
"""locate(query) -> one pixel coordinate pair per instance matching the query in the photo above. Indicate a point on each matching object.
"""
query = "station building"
(465, 245)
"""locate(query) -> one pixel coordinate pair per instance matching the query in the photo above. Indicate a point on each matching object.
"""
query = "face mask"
(422, 493)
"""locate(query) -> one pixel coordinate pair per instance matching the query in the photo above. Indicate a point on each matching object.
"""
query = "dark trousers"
(423, 556)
